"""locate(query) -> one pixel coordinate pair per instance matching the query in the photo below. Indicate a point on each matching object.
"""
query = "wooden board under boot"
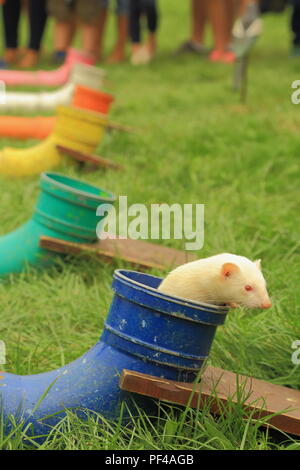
(136, 252)
(93, 160)
(265, 397)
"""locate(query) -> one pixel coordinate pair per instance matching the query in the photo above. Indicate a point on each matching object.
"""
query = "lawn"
(199, 145)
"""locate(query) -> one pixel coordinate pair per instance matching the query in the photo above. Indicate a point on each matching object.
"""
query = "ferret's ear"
(258, 263)
(228, 269)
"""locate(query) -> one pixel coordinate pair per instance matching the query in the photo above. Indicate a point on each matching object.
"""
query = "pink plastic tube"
(47, 77)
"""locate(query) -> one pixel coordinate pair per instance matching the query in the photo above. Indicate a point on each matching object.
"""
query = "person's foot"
(192, 46)
(3, 64)
(225, 57)
(58, 57)
(117, 56)
(140, 55)
(29, 59)
(228, 57)
(11, 56)
(215, 55)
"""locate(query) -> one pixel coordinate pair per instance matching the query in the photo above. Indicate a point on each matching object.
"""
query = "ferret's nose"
(267, 304)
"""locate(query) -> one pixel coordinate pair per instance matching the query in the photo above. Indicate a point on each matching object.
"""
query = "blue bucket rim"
(118, 273)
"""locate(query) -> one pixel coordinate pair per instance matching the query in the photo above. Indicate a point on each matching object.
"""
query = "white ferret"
(220, 279)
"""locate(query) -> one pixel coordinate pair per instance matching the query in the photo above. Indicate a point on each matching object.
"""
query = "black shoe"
(190, 46)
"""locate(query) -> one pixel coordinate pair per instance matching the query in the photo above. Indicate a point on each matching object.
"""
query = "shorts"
(122, 6)
(86, 10)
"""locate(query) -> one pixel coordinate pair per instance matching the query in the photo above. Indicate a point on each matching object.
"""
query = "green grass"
(200, 145)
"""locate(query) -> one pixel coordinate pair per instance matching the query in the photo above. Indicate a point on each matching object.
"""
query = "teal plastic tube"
(66, 209)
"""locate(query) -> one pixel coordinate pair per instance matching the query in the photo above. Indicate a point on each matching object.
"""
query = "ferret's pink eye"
(248, 288)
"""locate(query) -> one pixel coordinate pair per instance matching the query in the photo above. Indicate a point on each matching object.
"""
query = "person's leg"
(140, 53)
(295, 26)
(37, 20)
(63, 34)
(64, 27)
(250, 12)
(118, 53)
(151, 12)
(90, 34)
(221, 15)
(134, 22)
(199, 18)
(244, 4)
(11, 16)
(101, 25)
(88, 14)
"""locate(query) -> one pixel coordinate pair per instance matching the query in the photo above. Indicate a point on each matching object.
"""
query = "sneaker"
(191, 46)
(29, 59)
(228, 57)
(11, 56)
(140, 56)
(58, 57)
(225, 57)
(215, 55)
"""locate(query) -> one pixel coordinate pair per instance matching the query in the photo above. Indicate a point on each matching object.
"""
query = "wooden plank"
(138, 253)
(216, 387)
(95, 160)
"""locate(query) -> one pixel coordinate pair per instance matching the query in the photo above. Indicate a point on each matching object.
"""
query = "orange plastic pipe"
(92, 99)
(17, 127)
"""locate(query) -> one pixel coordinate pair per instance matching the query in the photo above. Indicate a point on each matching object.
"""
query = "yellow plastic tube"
(75, 128)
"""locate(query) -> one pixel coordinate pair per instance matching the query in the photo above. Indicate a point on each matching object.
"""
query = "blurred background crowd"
(137, 22)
